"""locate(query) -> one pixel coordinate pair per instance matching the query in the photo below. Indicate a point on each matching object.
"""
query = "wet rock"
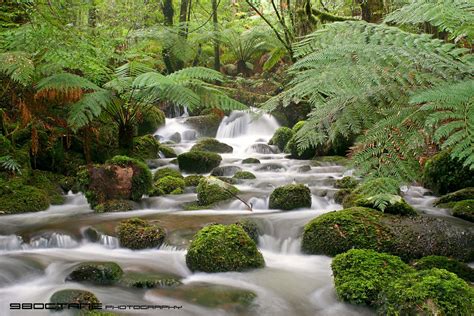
(212, 145)
(198, 161)
(151, 120)
(304, 169)
(225, 171)
(74, 296)
(346, 183)
(463, 194)
(271, 167)
(176, 138)
(247, 175)
(281, 137)
(189, 135)
(289, 197)
(91, 234)
(193, 180)
(16, 197)
(461, 269)
(136, 233)
(205, 125)
(262, 148)
(464, 209)
(100, 273)
(149, 280)
(167, 151)
(212, 190)
(387, 203)
(145, 147)
(155, 163)
(168, 185)
(250, 228)
(167, 172)
(250, 161)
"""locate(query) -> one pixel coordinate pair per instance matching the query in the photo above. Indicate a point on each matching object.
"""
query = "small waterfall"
(290, 245)
(10, 242)
(109, 241)
(240, 123)
(55, 240)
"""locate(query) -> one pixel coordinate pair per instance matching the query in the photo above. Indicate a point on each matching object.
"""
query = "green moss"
(461, 269)
(167, 151)
(427, 292)
(464, 210)
(114, 206)
(100, 273)
(74, 296)
(212, 145)
(164, 172)
(250, 161)
(250, 228)
(292, 149)
(442, 174)
(463, 194)
(291, 196)
(145, 147)
(136, 233)
(220, 248)
(149, 280)
(387, 203)
(49, 182)
(341, 194)
(281, 137)
(211, 190)
(336, 232)
(192, 180)
(244, 175)
(360, 274)
(151, 120)
(346, 183)
(198, 161)
(170, 184)
(15, 197)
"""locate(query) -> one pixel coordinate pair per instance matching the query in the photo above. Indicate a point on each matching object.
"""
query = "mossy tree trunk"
(126, 133)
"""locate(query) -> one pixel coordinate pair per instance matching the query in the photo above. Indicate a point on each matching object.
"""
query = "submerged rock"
(149, 280)
(221, 248)
(250, 161)
(289, 197)
(100, 273)
(136, 233)
(225, 171)
(271, 167)
(262, 148)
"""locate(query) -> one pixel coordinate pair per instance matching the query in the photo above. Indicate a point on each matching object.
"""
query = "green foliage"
(166, 171)
(198, 161)
(211, 190)
(289, 197)
(100, 273)
(461, 269)
(150, 121)
(9, 164)
(281, 137)
(359, 274)
(212, 145)
(244, 175)
(16, 197)
(443, 174)
(346, 183)
(220, 248)
(387, 203)
(136, 233)
(378, 186)
(170, 184)
(427, 292)
(336, 232)
(464, 209)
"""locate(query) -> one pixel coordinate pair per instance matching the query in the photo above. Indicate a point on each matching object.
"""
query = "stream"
(38, 250)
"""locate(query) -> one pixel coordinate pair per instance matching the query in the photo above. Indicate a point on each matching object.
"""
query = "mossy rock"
(170, 184)
(250, 228)
(100, 273)
(250, 161)
(198, 161)
(464, 210)
(387, 203)
(15, 197)
(427, 292)
(115, 206)
(74, 296)
(205, 125)
(136, 233)
(461, 269)
(145, 147)
(292, 149)
(212, 145)
(245, 175)
(460, 195)
(167, 151)
(149, 280)
(281, 137)
(337, 232)
(151, 120)
(211, 190)
(346, 183)
(341, 194)
(167, 171)
(221, 248)
(291, 196)
(193, 180)
(229, 180)
(225, 171)
(360, 274)
(49, 182)
(442, 174)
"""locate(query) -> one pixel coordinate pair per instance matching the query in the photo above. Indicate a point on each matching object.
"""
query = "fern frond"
(18, 66)
(89, 107)
(65, 82)
(8, 163)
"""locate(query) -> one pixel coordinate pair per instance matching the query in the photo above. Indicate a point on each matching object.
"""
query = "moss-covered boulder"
(250, 228)
(121, 178)
(360, 274)
(289, 197)
(346, 183)
(250, 161)
(460, 195)
(212, 145)
(337, 232)
(49, 182)
(167, 151)
(170, 185)
(461, 269)
(149, 280)
(100, 273)
(145, 147)
(165, 172)
(442, 174)
(115, 206)
(198, 161)
(193, 180)
(245, 175)
(387, 203)
(221, 248)
(427, 292)
(150, 121)
(464, 210)
(69, 296)
(341, 194)
(136, 233)
(211, 190)
(281, 137)
(205, 125)
(16, 197)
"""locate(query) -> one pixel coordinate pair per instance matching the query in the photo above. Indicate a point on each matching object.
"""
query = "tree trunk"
(126, 132)
(168, 12)
(217, 53)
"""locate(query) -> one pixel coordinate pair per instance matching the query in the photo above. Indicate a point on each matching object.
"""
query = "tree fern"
(10, 165)
(18, 66)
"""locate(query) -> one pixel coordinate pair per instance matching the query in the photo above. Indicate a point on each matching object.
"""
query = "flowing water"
(38, 250)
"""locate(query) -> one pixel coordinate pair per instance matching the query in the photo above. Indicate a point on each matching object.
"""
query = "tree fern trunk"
(126, 133)
(217, 57)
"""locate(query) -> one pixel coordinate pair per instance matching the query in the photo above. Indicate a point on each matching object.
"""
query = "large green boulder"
(165, 172)
(459, 268)
(49, 182)
(281, 137)
(289, 197)
(211, 190)
(145, 147)
(198, 161)
(360, 274)
(150, 121)
(212, 145)
(100, 273)
(169, 185)
(221, 248)
(464, 209)
(15, 197)
(453, 197)
(427, 292)
(442, 174)
(339, 231)
(136, 233)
